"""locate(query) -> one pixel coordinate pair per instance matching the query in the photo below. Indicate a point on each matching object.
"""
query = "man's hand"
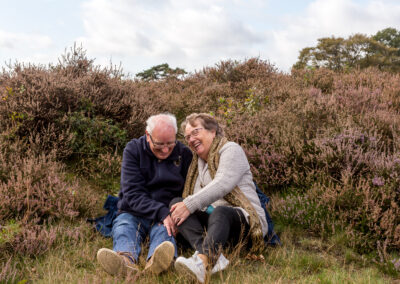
(170, 225)
(179, 213)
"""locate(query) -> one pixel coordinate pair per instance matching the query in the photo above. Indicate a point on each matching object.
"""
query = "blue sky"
(188, 34)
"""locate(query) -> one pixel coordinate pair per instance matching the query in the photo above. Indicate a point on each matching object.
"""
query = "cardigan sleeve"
(233, 164)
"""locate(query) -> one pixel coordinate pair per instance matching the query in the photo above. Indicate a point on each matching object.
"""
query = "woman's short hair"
(206, 120)
(166, 117)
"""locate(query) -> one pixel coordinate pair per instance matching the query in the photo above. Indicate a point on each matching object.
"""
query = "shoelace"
(127, 255)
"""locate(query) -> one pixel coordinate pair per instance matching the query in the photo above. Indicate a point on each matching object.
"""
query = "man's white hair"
(165, 117)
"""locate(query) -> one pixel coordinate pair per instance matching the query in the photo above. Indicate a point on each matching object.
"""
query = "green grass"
(8, 231)
(302, 259)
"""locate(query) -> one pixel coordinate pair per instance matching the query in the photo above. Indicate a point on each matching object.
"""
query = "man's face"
(162, 141)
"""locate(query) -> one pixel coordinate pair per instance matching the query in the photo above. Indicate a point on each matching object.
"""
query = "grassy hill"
(323, 145)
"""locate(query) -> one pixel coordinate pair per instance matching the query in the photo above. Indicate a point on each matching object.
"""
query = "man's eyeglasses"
(160, 146)
(194, 133)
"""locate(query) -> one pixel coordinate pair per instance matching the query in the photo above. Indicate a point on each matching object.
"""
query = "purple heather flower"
(378, 181)
(396, 264)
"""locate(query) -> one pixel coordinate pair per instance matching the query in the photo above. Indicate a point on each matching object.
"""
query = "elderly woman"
(219, 197)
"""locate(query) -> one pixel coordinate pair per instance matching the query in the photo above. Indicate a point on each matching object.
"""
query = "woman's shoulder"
(231, 147)
(231, 144)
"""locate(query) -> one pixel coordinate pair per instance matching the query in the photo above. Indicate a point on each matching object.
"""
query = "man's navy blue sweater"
(149, 184)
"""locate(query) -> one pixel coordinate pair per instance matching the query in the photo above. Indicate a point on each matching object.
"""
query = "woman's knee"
(175, 200)
(221, 211)
(220, 214)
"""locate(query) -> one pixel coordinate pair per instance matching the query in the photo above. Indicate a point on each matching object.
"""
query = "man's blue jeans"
(129, 231)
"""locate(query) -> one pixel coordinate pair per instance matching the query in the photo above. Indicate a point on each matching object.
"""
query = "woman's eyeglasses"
(194, 133)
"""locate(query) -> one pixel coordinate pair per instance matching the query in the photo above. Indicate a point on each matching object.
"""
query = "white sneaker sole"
(161, 259)
(182, 269)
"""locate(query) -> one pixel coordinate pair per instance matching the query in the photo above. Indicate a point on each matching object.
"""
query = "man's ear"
(147, 136)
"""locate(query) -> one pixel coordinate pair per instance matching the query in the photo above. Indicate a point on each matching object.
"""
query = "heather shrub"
(33, 240)
(71, 102)
(320, 78)
(35, 190)
(36, 240)
(8, 272)
(103, 170)
(367, 212)
(325, 144)
(221, 90)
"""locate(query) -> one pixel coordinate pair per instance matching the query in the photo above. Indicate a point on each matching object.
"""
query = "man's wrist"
(163, 213)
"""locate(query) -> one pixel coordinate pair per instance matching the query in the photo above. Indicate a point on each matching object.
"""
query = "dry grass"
(302, 259)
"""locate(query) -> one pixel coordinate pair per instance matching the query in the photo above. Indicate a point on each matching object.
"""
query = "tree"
(389, 37)
(159, 72)
(357, 51)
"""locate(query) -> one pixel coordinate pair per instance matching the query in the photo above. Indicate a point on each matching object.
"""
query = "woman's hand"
(179, 213)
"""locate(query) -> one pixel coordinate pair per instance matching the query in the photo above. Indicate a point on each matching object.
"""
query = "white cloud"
(26, 48)
(185, 33)
(20, 41)
(193, 34)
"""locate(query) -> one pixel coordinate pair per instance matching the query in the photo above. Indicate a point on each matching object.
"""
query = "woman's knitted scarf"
(235, 197)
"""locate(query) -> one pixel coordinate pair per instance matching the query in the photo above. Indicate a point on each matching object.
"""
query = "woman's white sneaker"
(221, 264)
(192, 266)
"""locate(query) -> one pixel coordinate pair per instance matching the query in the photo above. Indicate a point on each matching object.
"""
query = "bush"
(325, 144)
(93, 136)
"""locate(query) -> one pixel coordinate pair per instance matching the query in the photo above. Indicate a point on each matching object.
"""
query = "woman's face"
(199, 139)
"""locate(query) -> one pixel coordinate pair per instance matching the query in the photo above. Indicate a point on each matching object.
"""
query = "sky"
(189, 34)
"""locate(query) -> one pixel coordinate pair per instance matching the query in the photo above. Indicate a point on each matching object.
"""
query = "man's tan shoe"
(116, 263)
(161, 258)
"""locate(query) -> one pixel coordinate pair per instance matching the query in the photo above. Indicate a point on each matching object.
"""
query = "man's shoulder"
(135, 146)
(135, 143)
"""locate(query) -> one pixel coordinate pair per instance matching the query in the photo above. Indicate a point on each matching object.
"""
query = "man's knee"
(175, 200)
(126, 221)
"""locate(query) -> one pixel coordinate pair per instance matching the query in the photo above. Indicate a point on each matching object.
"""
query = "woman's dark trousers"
(209, 233)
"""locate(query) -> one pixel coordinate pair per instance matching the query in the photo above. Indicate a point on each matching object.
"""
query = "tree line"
(381, 50)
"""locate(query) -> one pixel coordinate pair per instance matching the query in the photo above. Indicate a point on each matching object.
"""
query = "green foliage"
(102, 171)
(9, 231)
(158, 72)
(389, 37)
(95, 135)
(357, 51)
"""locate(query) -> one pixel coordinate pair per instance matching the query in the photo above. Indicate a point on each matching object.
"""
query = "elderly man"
(153, 172)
